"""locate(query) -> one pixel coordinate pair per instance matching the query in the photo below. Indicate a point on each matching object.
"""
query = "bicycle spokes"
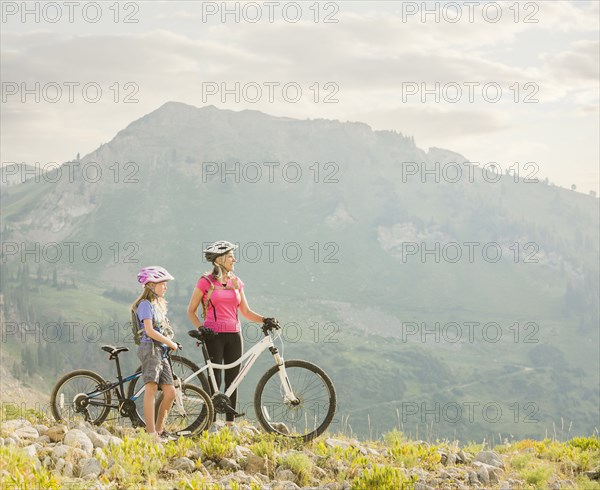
(300, 404)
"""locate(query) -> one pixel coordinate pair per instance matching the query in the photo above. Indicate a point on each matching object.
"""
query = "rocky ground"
(85, 456)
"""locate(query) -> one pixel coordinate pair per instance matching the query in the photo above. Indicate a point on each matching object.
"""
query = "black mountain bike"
(84, 394)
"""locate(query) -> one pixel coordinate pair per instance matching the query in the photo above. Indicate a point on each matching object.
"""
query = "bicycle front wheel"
(306, 417)
(78, 396)
(192, 411)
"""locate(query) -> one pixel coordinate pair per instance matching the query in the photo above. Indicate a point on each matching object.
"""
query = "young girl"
(149, 311)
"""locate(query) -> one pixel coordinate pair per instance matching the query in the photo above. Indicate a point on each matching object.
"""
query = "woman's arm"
(247, 312)
(192, 310)
(156, 335)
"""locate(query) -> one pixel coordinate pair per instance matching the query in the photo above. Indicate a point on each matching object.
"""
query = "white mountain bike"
(293, 398)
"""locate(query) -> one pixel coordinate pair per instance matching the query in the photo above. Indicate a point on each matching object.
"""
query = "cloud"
(579, 64)
(369, 54)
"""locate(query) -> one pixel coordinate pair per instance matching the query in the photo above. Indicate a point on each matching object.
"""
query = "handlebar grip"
(202, 335)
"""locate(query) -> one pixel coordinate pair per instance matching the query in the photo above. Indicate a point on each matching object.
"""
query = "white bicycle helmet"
(154, 273)
(219, 248)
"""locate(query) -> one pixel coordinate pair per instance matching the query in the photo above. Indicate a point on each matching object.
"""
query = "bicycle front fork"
(289, 396)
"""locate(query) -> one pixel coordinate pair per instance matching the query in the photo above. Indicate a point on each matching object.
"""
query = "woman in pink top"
(221, 311)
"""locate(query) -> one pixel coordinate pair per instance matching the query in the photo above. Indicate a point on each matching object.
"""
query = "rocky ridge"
(85, 456)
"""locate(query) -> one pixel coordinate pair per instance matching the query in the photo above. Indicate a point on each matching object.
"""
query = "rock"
(447, 459)
(99, 454)
(482, 474)
(30, 450)
(59, 452)
(241, 452)
(78, 439)
(103, 432)
(422, 486)
(250, 429)
(473, 478)
(115, 441)
(43, 440)
(57, 433)
(42, 429)
(255, 464)
(98, 440)
(490, 457)
(239, 477)
(282, 428)
(47, 462)
(68, 469)
(262, 478)
(77, 454)
(10, 426)
(284, 485)
(27, 433)
(504, 486)
(183, 464)
(463, 458)
(1, 442)
(229, 464)
(284, 474)
(89, 467)
(494, 473)
(329, 442)
(593, 475)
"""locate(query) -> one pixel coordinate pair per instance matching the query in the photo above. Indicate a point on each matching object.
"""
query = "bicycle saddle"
(114, 351)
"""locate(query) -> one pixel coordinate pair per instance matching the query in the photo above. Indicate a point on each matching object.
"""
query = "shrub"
(383, 478)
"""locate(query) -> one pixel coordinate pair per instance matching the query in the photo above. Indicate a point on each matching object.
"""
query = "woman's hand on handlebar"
(270, 324)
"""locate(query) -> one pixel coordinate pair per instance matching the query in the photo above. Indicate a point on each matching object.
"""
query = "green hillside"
(359, 256)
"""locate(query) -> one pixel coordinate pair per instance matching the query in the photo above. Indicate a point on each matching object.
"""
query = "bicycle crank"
(222, 404)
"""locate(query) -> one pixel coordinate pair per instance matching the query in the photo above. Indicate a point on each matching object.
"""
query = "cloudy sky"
(497, 82)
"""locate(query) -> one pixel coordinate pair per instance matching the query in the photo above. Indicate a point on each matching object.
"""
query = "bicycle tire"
(199, 412)
(311, 386)
(72, 384)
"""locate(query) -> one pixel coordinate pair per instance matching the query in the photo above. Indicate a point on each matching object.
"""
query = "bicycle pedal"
(236, 414)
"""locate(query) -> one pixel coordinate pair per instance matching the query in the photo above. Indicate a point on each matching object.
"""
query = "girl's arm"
(247, 312)
(156, 335)
(192, 310)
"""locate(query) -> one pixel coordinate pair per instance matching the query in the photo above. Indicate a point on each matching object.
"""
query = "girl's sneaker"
(167, 436)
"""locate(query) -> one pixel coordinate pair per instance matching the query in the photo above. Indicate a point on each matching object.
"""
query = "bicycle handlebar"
(203, 334)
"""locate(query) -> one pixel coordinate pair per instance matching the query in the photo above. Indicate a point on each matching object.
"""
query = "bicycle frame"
(248, 358)
(113, 386)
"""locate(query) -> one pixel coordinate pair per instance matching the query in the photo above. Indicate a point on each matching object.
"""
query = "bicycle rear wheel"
(78, 396)
(306, 418)
(194, 414)
(182, 368)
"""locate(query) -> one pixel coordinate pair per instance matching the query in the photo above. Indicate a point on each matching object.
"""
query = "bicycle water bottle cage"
(114, 351)
(203, 334)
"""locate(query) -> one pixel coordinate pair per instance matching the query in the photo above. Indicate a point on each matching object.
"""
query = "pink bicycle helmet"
(153, 273)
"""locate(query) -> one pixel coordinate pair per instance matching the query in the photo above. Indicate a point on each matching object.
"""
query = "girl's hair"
(149, 295)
